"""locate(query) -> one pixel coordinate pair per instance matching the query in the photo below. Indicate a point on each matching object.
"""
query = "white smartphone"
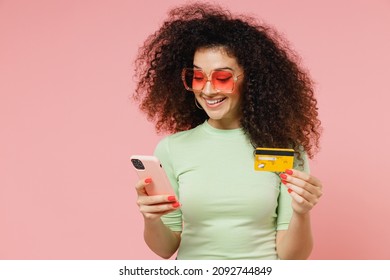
(150, 167)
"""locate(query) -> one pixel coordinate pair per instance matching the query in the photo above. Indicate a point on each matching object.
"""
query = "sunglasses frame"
(235, 78)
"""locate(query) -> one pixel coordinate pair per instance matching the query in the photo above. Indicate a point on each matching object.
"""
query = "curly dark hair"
(278, 104)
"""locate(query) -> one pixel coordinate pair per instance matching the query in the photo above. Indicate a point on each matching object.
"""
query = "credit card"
(274, 159)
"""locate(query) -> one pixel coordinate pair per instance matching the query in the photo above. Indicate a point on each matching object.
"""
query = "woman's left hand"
(305, 189)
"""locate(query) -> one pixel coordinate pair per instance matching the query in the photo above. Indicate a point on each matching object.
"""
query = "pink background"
(68, 128)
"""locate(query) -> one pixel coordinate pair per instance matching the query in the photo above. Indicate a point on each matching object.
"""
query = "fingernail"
(148, 180)
(289, 172)
(176, 204)
(289, 190)
(284, 181)
(283, 176)
(172, 198)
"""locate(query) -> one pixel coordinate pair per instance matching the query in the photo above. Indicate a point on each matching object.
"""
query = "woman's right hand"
(153, 207)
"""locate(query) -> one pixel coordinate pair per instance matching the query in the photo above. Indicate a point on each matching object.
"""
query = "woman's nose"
(208, 88)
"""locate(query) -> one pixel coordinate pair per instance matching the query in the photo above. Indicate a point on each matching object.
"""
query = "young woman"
(225, 85)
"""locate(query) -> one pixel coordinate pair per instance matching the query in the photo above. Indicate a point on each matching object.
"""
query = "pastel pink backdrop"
(68, 128)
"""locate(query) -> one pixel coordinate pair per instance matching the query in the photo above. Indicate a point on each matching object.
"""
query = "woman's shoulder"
(184, 135)
(179, 141)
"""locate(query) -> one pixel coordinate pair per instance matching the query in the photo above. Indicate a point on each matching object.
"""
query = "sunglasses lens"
(223, 80)
(193, 79)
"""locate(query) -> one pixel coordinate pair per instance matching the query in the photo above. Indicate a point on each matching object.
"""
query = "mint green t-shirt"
(229, 210)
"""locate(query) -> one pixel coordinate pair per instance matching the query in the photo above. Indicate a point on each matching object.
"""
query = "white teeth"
(214, 101)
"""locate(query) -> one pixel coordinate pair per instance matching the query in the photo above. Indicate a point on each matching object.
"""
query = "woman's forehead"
(214, 58)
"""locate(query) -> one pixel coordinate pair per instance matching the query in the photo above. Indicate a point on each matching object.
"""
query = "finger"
(159, 208)
(305, 177)
(299, 182)
(156, 199)
(302, 192)
(307, 196)
(141, 184)
(300, 204)
(297, 197)
(300, 201)
(156, 215)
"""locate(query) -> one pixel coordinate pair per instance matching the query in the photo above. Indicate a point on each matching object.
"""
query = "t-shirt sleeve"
(284, 210)
(173, 220)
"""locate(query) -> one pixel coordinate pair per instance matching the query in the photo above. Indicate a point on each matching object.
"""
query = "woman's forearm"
(297, 241)
(160, 238)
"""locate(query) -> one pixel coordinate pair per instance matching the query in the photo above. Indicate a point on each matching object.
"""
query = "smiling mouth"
(214, 101)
